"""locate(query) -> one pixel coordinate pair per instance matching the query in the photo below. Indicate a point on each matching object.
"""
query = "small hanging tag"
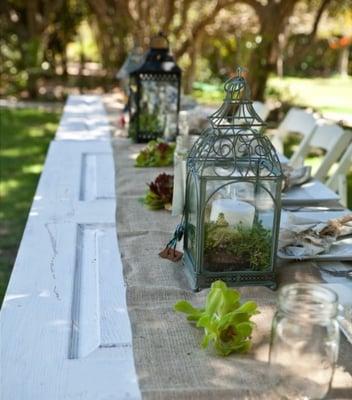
(171, 254)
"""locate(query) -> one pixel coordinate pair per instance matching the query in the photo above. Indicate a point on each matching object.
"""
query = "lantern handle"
(156, 38)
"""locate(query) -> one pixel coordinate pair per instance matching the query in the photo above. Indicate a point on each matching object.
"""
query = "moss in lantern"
(236, 248)
(148, 123)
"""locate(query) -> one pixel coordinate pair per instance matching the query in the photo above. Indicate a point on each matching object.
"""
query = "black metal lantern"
(155, 94)
(233, 197)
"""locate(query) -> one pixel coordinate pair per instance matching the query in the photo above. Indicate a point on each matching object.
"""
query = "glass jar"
(304, 341)
(183, 123)
(183, 145)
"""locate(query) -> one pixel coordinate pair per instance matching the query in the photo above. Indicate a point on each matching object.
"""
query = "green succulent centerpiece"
(159, 193)
(226, 322)
(157, 153)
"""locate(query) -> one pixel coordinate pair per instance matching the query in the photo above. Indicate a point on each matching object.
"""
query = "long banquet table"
(65, 332)
(168, 359)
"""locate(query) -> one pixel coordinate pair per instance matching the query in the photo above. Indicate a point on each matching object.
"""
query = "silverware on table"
(347, 273)
(313, 209)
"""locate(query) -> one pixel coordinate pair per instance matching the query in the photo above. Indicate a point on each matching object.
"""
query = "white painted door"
(84, 118)
(65, 332)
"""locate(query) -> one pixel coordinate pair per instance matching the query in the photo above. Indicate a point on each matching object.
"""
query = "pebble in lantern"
(155, 94)
(233, 197)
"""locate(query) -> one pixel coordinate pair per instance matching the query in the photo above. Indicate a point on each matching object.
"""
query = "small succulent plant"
(157, 153)
(226, 322)
(159, 194)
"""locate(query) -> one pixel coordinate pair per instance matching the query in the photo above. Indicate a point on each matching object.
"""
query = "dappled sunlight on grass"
(33, 169)
(25, 137)
(323, 94)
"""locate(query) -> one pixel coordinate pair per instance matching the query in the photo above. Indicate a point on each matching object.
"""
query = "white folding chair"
(296, 121)
(261, 109)
(338, 180)
(327, 136)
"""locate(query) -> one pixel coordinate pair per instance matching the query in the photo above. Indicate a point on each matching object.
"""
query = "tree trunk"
(192, 69)
(280, 55)
(264, 58)
(342, 65)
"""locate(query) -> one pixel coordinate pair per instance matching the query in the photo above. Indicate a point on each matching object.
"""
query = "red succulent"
(163, 187)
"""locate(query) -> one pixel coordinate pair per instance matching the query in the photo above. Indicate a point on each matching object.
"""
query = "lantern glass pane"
(192, 201)
(133, 96)
(158, 107)
(238, 226)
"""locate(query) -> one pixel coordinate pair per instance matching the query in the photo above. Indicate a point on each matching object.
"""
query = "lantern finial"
(236, 87)
(241, 72)
(237, 108)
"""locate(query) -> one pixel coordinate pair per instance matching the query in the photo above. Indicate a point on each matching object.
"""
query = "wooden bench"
(65, 331)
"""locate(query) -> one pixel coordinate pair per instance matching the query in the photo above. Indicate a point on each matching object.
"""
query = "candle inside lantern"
(235, 212)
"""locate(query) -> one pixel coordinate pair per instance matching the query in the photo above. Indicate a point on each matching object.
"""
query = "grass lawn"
(323, 94)
(25, 136)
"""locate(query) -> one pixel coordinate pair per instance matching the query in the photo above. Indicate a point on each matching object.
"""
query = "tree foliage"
(205, 35)
(33, 32)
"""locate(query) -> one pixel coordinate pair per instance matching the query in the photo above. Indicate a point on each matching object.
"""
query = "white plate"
(341, 250)
(314, 216)
(308, 193)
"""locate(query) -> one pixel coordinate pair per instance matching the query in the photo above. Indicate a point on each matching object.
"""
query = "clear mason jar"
(183, 146)
(304, 341)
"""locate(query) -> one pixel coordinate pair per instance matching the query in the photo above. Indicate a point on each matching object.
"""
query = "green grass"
(25, 136)
(322, 94)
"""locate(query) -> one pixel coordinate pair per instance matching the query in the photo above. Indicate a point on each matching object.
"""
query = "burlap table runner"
(169, 362)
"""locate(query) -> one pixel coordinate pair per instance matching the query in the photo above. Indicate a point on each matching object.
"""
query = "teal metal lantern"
(233, 197)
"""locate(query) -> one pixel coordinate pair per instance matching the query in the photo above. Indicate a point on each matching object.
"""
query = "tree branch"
(200, 25)
(302, 51)
(318, 16)
(169, 15)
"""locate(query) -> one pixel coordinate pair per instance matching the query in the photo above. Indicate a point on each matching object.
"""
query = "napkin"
(302, 237)
(295, 176)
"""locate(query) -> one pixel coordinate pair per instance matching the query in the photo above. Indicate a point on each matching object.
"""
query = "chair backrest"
(337, 181)
(327, 136)
(261, 109)
(297, 120)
